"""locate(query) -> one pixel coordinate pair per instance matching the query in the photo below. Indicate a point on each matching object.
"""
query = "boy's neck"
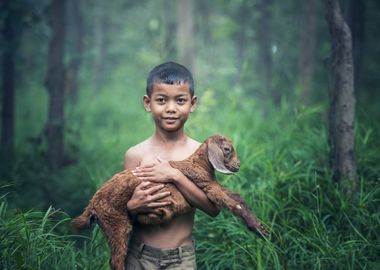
(169, 137)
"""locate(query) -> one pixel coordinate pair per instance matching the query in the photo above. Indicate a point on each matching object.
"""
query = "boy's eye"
(160, 100)
(181, 100)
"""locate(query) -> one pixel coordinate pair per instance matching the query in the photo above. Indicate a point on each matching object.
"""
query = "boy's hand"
(144, 199)
(160, 172)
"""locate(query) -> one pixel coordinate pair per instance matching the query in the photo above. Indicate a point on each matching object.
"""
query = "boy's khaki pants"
(141, 256)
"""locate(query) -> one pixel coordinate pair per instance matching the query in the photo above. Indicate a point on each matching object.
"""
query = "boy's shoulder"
(139, 148)
(134, 154)
(187, 149)
(193, 143)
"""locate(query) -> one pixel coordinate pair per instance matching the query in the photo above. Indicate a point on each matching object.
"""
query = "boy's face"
(170, 105)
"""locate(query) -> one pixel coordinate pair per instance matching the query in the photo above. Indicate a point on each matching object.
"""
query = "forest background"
(73, 75)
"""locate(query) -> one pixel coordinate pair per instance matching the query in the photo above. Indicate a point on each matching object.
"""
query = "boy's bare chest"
(153, 155)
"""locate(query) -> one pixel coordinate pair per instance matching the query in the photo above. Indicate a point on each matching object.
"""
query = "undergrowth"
(284, 177)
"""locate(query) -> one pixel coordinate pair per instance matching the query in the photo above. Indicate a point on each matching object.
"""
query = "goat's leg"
(233, 202)
(252, 222)
(117, 229)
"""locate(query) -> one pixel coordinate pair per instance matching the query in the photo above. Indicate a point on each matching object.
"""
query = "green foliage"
(313, 225)
(29, 240)
(284, 177)
(42, 240)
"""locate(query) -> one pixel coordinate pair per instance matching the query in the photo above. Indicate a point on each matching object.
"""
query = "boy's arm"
(143, 199)
(162, 172)
(194, 194)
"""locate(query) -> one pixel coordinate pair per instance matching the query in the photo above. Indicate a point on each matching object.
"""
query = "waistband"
(140, 248)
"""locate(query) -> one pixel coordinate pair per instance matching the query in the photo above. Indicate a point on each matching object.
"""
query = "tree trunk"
(100, 44)
(169, 26)
(342, 100)
(355, 20)
(72, 72)
(8, 87)
(306, 59)
(241, 39)
(203, 8)
(185, 33)
(264, 32)
(55, 85)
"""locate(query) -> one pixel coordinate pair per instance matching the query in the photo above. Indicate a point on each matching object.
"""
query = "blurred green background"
(261, 72)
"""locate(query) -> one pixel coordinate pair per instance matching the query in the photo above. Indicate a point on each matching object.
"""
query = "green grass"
(43, 240)
(288, 183)
(284, 177)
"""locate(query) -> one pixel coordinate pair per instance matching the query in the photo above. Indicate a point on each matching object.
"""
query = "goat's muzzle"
(234, 167)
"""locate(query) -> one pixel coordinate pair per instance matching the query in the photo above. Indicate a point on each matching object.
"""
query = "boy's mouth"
(170, 119)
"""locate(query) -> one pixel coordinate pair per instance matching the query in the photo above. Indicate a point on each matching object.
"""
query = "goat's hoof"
(264, 230)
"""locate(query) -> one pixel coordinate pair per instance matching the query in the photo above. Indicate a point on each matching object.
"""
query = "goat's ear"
(216, 157)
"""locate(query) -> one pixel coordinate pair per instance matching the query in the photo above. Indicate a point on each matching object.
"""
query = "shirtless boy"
(170, 99)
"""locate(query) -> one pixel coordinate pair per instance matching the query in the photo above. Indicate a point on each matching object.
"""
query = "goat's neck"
(197, 167)
(200, 158)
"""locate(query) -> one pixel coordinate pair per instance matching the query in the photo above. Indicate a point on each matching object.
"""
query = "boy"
(170, 99)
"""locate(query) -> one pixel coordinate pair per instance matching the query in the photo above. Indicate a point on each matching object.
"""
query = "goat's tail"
(83, 221)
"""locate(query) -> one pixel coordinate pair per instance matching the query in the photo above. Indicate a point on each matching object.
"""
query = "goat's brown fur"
(108, 205)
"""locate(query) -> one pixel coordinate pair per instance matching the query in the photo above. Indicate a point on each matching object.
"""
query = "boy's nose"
(170, 107)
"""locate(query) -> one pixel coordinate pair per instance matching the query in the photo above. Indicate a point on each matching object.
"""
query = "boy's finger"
(146, 178)
(158, 204)
(143, 184)
(159, 196)
(145, 173)
(147, 169)
(154, 189)
(139, 171)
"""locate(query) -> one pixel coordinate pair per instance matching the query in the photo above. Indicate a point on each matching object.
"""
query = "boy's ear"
(147, 103)
(194, 101)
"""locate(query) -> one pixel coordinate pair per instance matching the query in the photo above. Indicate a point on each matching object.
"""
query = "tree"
(100, 43)
(242, 18)
(264, 40)
(12, 12)
(342, 100)
(203, 10)
(8, 86)
(169, 26)
(72, 72)
(55, 85)
(306, 57)
(356, 20)
(185, 33)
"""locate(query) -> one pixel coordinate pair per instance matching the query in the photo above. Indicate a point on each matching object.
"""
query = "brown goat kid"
(108, 205)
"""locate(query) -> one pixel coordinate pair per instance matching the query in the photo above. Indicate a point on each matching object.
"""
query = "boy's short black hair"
(169, 73)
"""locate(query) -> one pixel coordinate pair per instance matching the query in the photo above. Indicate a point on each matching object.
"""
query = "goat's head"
(222, 155)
